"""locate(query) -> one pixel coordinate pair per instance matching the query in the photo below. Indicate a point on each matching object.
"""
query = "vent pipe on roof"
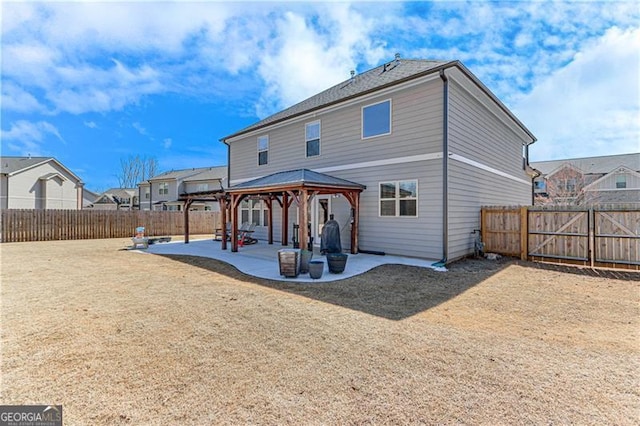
(353, 74)
(397, 59)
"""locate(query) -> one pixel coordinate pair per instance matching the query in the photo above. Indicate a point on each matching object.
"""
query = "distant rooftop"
(200, 173)
(13, 164)
(592, 165)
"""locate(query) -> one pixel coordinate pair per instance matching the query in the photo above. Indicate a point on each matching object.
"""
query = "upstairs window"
(540, 185)
(376, 119)
(263, 150)
(399, 198)
(163, 188)
(621, 182)
(312, 139)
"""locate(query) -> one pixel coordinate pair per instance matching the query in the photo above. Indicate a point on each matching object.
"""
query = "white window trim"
(397, 199)
(262, 150)
(362, 136)
(307, 140)
(249, 209)
(163, 186)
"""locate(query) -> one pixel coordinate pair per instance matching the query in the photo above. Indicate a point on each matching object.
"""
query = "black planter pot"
(315, 269)
(337, 262)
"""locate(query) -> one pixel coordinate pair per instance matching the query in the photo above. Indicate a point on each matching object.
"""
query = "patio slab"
(261, 259)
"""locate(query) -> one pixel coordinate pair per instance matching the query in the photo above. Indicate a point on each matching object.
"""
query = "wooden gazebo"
(283, 188)
(203, 196)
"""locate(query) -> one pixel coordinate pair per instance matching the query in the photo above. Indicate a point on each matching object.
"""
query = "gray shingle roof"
(295, 177)
(592, 165)
(210, 173)
(377, 78)
(201, 173)
(13, 164)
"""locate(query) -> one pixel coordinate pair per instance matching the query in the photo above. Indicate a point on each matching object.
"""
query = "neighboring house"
(38, 183)
(88, 198)
(117, 199)
(164, 191)
(605, 180)
(406, 153)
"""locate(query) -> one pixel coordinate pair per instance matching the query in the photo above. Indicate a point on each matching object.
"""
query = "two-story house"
(38, 183)
(117, 199)
(163, 192)
(589, 181)
(403, 155)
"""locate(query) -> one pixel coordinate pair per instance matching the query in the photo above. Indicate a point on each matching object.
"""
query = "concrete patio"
(261, 259)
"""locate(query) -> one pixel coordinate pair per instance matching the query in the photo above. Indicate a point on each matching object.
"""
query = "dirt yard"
(119, 337)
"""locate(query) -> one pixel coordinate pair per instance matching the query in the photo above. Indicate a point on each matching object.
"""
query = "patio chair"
(217, 235)
(244, 236)
(243, 228)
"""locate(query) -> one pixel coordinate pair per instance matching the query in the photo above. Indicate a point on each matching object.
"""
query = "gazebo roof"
(300, 178)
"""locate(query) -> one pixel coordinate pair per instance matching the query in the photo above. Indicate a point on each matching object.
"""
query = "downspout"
(228, 163)
(445, 166)
(533, 177)
(150, 196)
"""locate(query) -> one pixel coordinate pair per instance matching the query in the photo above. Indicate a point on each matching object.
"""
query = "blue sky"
(91, 83)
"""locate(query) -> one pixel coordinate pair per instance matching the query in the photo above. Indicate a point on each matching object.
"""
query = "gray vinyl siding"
(419, 236)
(408, 236)
(416, 129)
(478, 132)
(470, 188)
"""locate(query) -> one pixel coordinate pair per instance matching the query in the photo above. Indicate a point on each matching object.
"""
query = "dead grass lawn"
(118, 337)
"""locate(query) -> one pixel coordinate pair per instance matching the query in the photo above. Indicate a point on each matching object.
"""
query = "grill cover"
(330, 238)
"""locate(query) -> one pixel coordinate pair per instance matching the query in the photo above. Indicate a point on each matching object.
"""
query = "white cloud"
(91, 124)
(14, 98)
(166, 143)
(25, 137)
(140, 128)
(303, 59)
(591, 106)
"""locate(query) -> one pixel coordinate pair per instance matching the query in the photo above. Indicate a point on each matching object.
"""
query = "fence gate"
(559, 234)
(617, 237)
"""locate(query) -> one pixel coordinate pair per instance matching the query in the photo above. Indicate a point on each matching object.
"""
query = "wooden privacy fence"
(606, 237)
(45, 225)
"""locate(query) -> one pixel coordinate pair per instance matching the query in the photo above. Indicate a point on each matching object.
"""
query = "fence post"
(591, 244)
(483, 226)
(524, 233)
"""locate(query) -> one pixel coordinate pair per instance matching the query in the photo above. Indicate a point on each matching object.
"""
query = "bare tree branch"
(136, 169)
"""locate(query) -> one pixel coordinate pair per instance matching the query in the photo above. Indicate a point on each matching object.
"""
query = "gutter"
(445, 169)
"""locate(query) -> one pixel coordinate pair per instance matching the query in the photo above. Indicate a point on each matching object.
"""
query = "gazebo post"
(235, 200)
(303, 218)
(269, 202)
(187, 204)
(285, 218)
(356, 224)
(223, 218)
(354, 200)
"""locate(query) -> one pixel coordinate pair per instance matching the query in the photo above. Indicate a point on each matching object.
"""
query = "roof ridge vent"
(397, 59)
